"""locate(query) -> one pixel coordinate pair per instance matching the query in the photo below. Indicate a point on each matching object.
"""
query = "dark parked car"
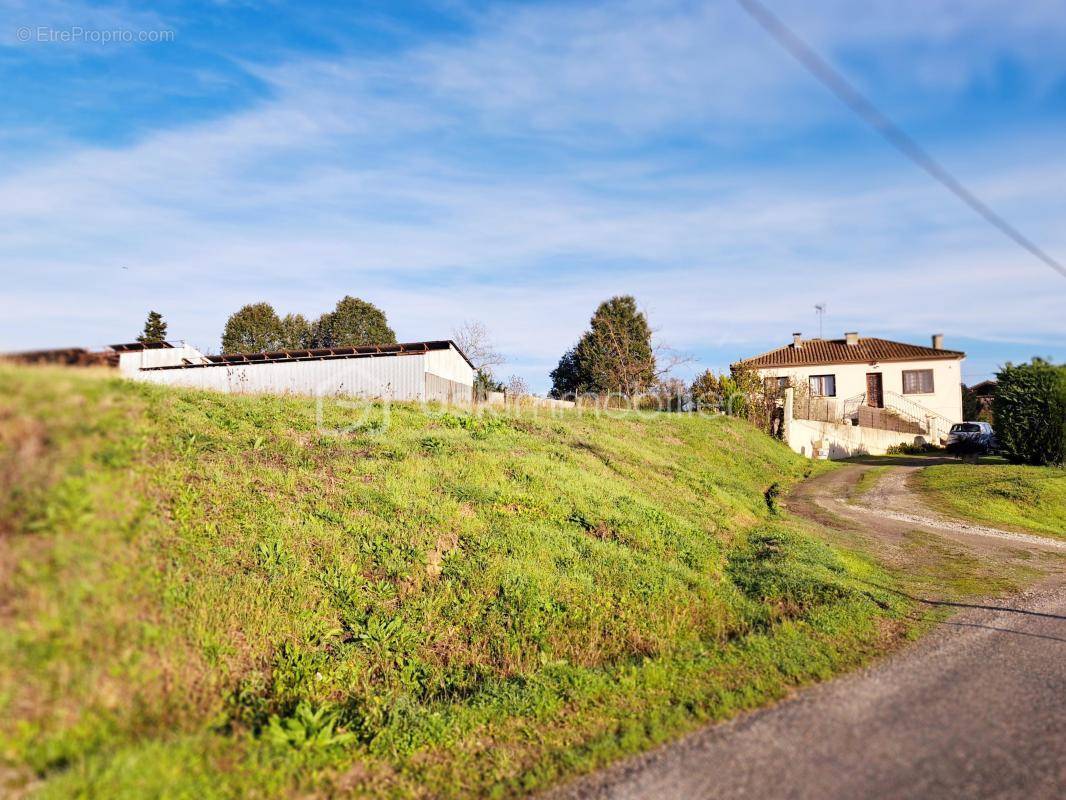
(972, 438)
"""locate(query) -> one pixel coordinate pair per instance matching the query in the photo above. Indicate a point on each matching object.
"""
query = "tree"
(567, 378)
(474, 339)
(352, 323)
(1030, 412)
(254, 329)
(516, 386)
(747, 395)
(616, 355)
(155, 328)
(670, 394)
(296, 333)
(706, 390)
(484, 382)
(971, 405)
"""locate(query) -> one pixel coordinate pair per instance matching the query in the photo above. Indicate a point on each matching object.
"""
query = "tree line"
(257, 328)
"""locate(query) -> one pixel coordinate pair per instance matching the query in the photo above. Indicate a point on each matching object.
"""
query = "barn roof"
(130, 347)
(324, 353)
(813, 352)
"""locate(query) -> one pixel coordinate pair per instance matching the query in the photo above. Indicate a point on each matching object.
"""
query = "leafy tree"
(976, 407)
(616, 354)
(254, 329)
(485, 382)
(706, 390)
(155, 328)
(352, 323)
(971, 406)
(1030, 412)
(296, 333)
(567, 378)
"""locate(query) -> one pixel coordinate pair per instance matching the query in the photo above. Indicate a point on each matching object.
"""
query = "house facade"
(869, 383)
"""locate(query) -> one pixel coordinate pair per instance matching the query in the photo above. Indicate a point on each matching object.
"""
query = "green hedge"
(1030, 412)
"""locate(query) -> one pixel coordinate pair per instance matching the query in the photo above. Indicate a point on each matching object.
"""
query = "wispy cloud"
(544, 160)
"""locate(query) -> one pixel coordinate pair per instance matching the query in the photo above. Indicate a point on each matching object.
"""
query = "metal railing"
(851, 407)
(934, 422)
(897, 414)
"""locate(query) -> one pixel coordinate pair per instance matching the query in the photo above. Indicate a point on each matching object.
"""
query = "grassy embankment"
(1031, 499)
(204, 596)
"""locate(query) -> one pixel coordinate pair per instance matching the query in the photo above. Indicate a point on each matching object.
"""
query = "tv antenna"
(819, 309)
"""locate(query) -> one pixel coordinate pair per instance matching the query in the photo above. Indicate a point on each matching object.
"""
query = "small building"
(412, 371)
(984, 393)
(892, 392)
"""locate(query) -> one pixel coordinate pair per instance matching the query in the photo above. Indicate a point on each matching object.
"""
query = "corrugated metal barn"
(413, 371)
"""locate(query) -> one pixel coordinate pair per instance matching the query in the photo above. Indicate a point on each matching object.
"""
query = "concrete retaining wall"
(841, 441)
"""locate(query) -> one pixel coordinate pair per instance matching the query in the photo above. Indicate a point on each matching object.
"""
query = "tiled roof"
(838, 351)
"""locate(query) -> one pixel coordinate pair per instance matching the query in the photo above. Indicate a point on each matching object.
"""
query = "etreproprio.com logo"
(77, 34)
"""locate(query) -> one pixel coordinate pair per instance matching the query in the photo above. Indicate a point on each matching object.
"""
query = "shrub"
(911, 449)
(771, 496)
(1030, 412)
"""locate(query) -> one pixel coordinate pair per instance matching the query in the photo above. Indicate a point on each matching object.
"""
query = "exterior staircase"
(899, 414)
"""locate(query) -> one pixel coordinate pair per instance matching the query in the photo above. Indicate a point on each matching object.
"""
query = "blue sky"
(516, 163)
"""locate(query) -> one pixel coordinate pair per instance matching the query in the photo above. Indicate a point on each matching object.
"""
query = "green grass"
(1027, 498)
(207, 596)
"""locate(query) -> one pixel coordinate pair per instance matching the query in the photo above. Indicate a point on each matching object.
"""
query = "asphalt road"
(977, 709)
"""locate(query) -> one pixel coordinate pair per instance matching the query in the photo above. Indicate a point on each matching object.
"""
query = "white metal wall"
(385, 377)
(446, 391)
(130, 362)
(450, 365)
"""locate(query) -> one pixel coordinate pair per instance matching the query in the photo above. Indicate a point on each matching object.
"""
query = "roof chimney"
(938, 341)
(852, 338)
(797, 340)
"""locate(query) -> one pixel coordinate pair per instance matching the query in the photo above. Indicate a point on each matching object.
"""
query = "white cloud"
(518, 177)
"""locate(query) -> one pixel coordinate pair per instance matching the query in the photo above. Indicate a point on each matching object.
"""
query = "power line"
(853, 99)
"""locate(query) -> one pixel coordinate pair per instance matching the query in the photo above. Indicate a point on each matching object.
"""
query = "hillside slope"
(217, 596)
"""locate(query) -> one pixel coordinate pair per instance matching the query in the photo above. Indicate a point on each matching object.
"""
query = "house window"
(917, 381)
(823, 385)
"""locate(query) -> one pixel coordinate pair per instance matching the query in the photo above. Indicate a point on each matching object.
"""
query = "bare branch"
(516, 386)
(474, 339)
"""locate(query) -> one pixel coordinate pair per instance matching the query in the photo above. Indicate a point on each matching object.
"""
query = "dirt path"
(975, 709)
(892, 498)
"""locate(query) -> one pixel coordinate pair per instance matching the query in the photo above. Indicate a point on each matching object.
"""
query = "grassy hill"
(211, 596)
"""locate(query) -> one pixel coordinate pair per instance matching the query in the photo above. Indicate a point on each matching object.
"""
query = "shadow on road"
(1003, 630)
(954, 604)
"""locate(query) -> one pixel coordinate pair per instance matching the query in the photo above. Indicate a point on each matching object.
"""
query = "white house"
(874, 387)
(417, 371)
